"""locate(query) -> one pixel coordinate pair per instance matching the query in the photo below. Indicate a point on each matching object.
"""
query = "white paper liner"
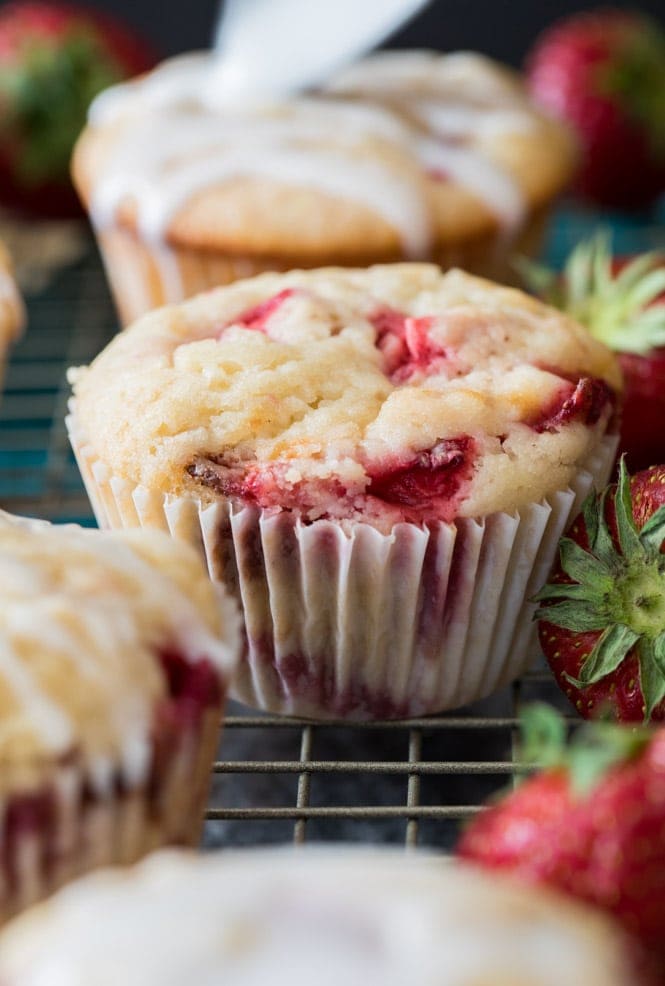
(82, 828)
(359, 624)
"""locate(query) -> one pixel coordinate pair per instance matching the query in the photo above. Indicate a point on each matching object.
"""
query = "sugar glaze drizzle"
(371, 137)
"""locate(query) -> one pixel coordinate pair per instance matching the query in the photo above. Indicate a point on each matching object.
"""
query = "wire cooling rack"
(278, 779)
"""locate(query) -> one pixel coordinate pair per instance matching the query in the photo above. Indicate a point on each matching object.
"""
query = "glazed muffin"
(409, 155)
(12, 314)
(377, 463)
(330, 917)
(116, 655)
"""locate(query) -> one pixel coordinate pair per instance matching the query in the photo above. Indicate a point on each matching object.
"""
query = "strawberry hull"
(590, 826)
(602, 618)
(55, 58)
(603, 73)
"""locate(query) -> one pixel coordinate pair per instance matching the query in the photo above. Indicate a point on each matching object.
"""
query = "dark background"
(502, 28)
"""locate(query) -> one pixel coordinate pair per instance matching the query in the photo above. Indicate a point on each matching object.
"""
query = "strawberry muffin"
(408, 155)
(116, 654)
(297, 917)
(377, 463)
(12, 314)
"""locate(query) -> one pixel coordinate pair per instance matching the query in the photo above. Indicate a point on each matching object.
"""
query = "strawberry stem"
(594, 748)
(617, 590)
(614, 307)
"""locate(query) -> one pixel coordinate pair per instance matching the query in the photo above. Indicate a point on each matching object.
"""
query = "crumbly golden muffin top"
(326, 916)
(12, 314)
(85, 617)
(388, 394)
(401, 154)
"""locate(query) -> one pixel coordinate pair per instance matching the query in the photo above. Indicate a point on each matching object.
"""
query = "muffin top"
(403, 153)
(85, 618)
(297, 917)
(391, 394)
(11, 307)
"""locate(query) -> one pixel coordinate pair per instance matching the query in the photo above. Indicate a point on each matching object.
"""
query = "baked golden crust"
(12, 314)
(350, 374)
(263, 216)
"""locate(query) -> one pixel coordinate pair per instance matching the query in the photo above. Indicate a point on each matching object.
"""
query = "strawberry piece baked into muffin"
(115, 656)
(378, 463)
(407, 155)
(12, 314)
(297, 917)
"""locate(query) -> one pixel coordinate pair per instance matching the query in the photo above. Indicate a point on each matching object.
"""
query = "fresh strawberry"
(622, 303)
(591, 824)
(54, 58)
(603, 72)
(602, 615)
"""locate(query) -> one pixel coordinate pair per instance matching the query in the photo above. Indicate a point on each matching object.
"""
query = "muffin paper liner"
(59, 826)
(145, 275)
(343, 621)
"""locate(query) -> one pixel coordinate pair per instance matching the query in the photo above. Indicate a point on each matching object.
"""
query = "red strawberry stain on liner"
(294, 675)
(33, 821)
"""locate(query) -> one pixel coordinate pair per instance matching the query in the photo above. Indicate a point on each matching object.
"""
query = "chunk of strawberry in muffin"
(584, 401)
(407, 345)
(257, 317)
(429, 485)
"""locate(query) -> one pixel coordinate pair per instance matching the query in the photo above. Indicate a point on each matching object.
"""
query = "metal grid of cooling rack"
(411, 782)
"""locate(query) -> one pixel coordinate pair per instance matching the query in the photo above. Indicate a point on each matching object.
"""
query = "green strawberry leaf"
(652, 534)
(590, 515)
(602, 545)
(613, 307)
(46, 97)
(582, 566)
(588, 755)
(608, 653)
(543, 735)
(572, 614)
(563, 590)
(652, 679)
(629, 540)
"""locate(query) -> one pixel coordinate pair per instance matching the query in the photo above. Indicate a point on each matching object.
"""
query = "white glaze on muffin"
(402, 153)
(391, 394)
(328, 917)
(86, 619)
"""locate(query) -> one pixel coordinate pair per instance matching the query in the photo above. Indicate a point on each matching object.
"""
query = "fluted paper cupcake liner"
(145, 275)
(347, 622)
(59, 824)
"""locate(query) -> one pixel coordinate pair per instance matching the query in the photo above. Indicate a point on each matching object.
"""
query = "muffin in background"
(12, 312)
(405, 156)
(301, 916)
(116, 655)
(377, 463)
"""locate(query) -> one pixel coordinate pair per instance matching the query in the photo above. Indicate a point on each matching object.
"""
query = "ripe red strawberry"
(602, 615)
(603, 72)
(592, 824)
(54, 58)
(622, 303)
